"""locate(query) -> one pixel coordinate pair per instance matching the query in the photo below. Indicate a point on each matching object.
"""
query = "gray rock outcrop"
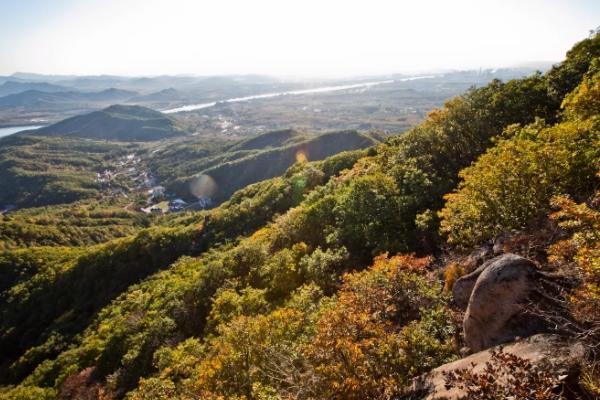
(463, 287)
(497, 293)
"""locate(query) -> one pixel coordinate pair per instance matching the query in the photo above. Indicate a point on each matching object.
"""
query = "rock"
(478, 256)
(498, 244)
(563, 355)
(461, 291)
(495, 312)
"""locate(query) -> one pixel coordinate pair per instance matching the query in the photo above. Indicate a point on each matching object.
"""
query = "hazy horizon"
(285, 39)
(42, 76)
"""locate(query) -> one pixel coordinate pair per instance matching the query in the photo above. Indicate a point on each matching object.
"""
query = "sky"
(285, 37)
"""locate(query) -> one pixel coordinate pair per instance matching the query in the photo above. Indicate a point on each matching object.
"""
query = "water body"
(324, 89)
(9, 130)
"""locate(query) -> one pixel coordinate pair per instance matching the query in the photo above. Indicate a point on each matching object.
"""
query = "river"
(323, 89)
(9, 130)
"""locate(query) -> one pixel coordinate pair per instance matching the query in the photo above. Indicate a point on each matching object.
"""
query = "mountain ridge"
(334, 279)
(116, 122)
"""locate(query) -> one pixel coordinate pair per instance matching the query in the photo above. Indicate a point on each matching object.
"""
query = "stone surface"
(463, 287)
(495, 313)
(562, 354)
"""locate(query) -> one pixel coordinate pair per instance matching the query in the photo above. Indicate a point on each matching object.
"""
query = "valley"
(245, 237)
(249, 105)
(178, 146)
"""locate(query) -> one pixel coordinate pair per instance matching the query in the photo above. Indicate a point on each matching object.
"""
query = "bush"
(511, 185)
(386, 326)
(580, 254)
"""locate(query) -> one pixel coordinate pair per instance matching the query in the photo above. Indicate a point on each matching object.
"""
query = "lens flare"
(301, 157)
(203, 186)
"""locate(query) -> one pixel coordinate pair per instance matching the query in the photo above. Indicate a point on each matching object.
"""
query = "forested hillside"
(334, 280)
(76, 224)
(119, 123)
(37, 171)
(253, 160)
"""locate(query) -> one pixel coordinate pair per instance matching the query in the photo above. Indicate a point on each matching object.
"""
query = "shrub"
(581, 254)
(387, 325)
(511, 185)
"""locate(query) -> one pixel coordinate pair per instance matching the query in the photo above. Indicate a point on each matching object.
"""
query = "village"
(144, 186)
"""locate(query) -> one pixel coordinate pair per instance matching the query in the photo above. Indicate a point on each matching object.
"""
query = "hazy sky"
(299, 37)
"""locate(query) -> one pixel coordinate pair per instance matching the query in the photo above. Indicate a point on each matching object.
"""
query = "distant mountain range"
(43, 100)
(117, 122)
(26, 98)
(147, 84)
(13, 87)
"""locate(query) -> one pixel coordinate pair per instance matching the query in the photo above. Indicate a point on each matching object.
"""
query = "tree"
(376, 335)
(510, 186)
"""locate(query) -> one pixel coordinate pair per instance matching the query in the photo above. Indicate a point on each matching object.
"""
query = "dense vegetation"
(36, 171)
(511, 185)
(77, 224)
(232, 166)
(83, 282)
(286, 290)
(186, 158)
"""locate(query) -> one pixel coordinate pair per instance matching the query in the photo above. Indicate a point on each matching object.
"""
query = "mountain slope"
(38, 171)
(233, 167)
(118, 122)
(163, 96)
(269, 139)
(232, 176)
(287, 292)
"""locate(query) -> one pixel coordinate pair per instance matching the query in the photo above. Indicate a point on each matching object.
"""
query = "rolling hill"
(234, 166)
(163, 96)
(117, 122)
(270, 139)
(234, 175)
(38, 171)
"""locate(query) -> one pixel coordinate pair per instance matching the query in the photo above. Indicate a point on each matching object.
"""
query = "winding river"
(9, 130)
(323, 89)
(191, 107)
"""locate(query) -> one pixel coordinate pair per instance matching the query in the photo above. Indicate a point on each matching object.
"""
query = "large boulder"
(463, 287)
(562, 355)
(496, 308)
